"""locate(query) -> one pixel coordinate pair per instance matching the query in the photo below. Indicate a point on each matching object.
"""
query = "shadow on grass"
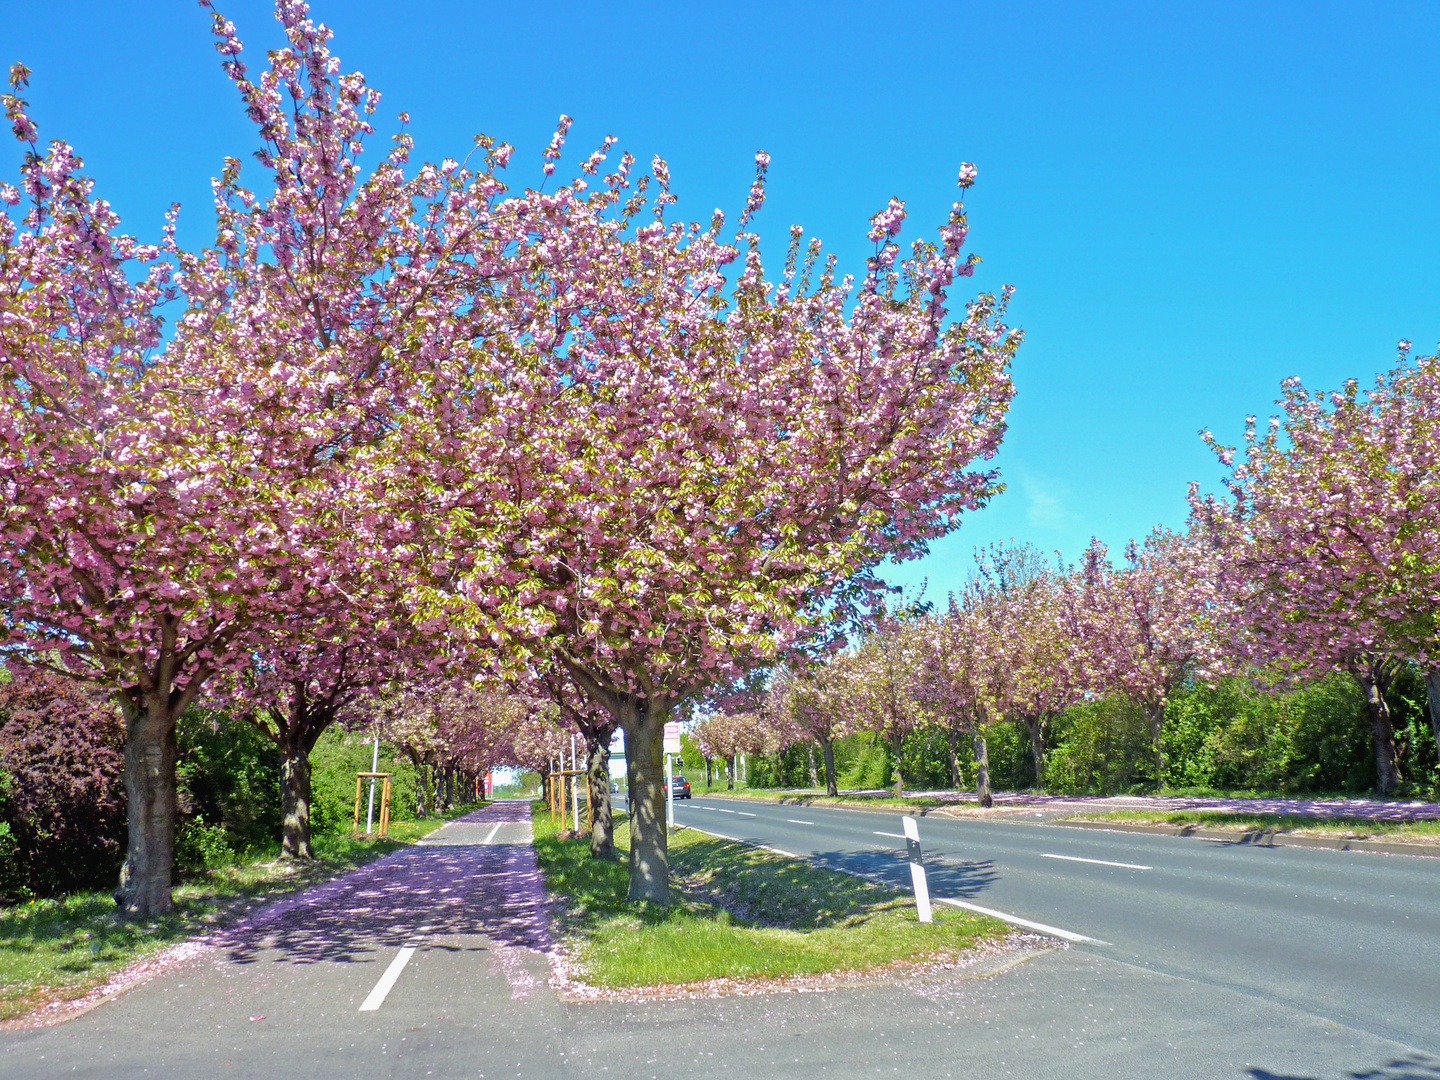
(734, 883)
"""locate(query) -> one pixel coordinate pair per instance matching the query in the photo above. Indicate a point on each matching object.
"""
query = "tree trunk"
(602, 828)
(150, 756)
(295, 803)
(898, 741)
(730, 774)
(422, 802)
(951, 737)
(644, 725)
(982, 770)
(1035, 727)
(1432, 701)
(814, 775)
(1387, 765)
(832, 787)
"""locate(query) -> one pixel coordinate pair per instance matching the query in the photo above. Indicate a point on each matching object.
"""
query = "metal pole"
(374, 767)
(669, 795)
(574, 788)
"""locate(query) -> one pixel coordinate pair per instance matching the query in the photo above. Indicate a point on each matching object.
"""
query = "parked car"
(679, 787)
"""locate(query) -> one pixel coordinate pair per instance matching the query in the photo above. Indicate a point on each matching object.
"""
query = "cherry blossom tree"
(880, 684)
(1154, 623)
(168, 502)
(702, 472)
(959, 660)
(1033, 650)
(1327, 540)
(811, 703)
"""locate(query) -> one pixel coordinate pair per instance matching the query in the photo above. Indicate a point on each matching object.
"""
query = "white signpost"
(917, 871)
(671, 746)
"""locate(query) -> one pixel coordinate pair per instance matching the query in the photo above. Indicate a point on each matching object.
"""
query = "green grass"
(1299, 825)
(737, 913)
(59, 949)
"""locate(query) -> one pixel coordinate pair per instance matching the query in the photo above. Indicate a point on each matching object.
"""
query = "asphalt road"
(1347, 937)
(435, 963)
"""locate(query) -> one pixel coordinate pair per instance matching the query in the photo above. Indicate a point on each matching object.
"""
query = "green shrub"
(229, 774)
(868, 764)
(200, 847)
(1101, 748)
(337, 757)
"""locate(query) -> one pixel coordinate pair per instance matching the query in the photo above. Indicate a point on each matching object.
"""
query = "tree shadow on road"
(454, 889)
(1413, 1066)
(962, 879)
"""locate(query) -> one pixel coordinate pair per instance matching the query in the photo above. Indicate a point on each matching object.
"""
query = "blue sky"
(1193, 201)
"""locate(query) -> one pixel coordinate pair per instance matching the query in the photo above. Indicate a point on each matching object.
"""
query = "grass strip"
(1418, 832)
(736, 913)
(60, 949)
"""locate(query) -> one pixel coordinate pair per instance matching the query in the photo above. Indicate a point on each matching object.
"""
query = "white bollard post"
(574, 788)
(374, 767)
(917, 871)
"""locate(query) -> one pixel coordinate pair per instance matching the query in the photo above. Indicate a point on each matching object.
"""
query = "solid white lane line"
(491, 834)
(896, 835)
(795, 821)
(1054, 931)
(1099, 862)
(377, 996)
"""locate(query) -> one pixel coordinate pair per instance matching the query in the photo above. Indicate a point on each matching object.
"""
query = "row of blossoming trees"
(422, 448)
(1323, 556)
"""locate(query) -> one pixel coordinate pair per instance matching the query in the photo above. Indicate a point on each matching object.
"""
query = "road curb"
(1261, 838)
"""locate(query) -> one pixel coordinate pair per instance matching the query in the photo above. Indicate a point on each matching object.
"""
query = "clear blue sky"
(1193, 201)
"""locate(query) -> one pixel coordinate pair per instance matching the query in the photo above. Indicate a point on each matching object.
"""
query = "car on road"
(679, 787)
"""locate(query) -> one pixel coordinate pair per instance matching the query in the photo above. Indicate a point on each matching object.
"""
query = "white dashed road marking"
(387, 981)
(1099, 862)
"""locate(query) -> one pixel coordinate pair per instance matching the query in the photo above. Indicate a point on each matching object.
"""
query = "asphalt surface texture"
(1215, 961)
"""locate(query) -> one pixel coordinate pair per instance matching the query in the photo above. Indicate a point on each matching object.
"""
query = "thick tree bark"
(832, 785)
(602, 828)
(1382, 730)
(644, 725)
(295, 804)
(730, 774)
(150, 756)
(982, 770)
(1035, 727)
